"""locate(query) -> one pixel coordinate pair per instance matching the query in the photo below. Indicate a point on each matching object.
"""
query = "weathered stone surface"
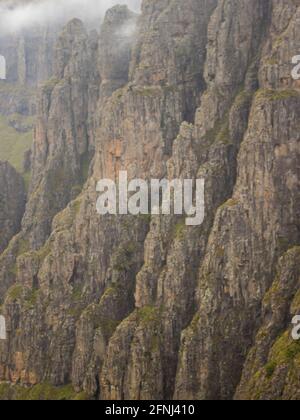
(12, 203)
(117, 36)
(272, 367)
(60, 156)
(251, 231)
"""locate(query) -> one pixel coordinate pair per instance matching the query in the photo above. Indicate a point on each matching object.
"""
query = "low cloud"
(19, 15)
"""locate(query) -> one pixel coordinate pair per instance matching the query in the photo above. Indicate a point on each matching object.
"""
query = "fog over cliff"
(20, 15)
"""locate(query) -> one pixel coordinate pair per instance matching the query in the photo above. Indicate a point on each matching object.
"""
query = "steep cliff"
(12, 203)
(144, 307)
(251, 231)
(29, 55)
(60, 153)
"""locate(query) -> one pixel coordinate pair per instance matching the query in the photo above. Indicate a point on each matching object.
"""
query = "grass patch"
(41, 392)
(276, 95)
(296, 303)
(15, 292)
(179, 229)
(13, 144)
(23, 247)
(270, 369)
(49, 85)
(122, 259)
(149, 314)
(285, 350)
(31, 299)
(229, 203)
(149, 91)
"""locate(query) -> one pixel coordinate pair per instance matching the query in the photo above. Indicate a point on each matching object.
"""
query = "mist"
(20, 15)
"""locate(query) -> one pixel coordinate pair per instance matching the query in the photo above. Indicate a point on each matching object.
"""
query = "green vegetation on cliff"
(13, 144)
(41, 392)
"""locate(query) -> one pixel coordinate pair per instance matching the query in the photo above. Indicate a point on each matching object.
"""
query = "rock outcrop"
(126, 307)
(272, 366)
(29, 55)
(61, 148)
(251, 231)
(12, 203)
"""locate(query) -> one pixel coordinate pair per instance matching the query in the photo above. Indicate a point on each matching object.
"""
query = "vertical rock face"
(115, 45)
(12, 203)
(147, 308)
(272, 367)
(62, 140)
(251, 231)
(29, 55)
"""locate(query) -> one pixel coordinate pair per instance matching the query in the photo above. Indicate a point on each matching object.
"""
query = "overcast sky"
(31, 12)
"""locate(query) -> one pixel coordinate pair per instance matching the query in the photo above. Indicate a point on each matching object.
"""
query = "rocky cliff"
(126, 307)
(12, 203)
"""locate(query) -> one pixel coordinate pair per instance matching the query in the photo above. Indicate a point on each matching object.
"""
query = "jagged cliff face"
(12, 203)
(29, 55)
(126, 307)
(63, 142)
